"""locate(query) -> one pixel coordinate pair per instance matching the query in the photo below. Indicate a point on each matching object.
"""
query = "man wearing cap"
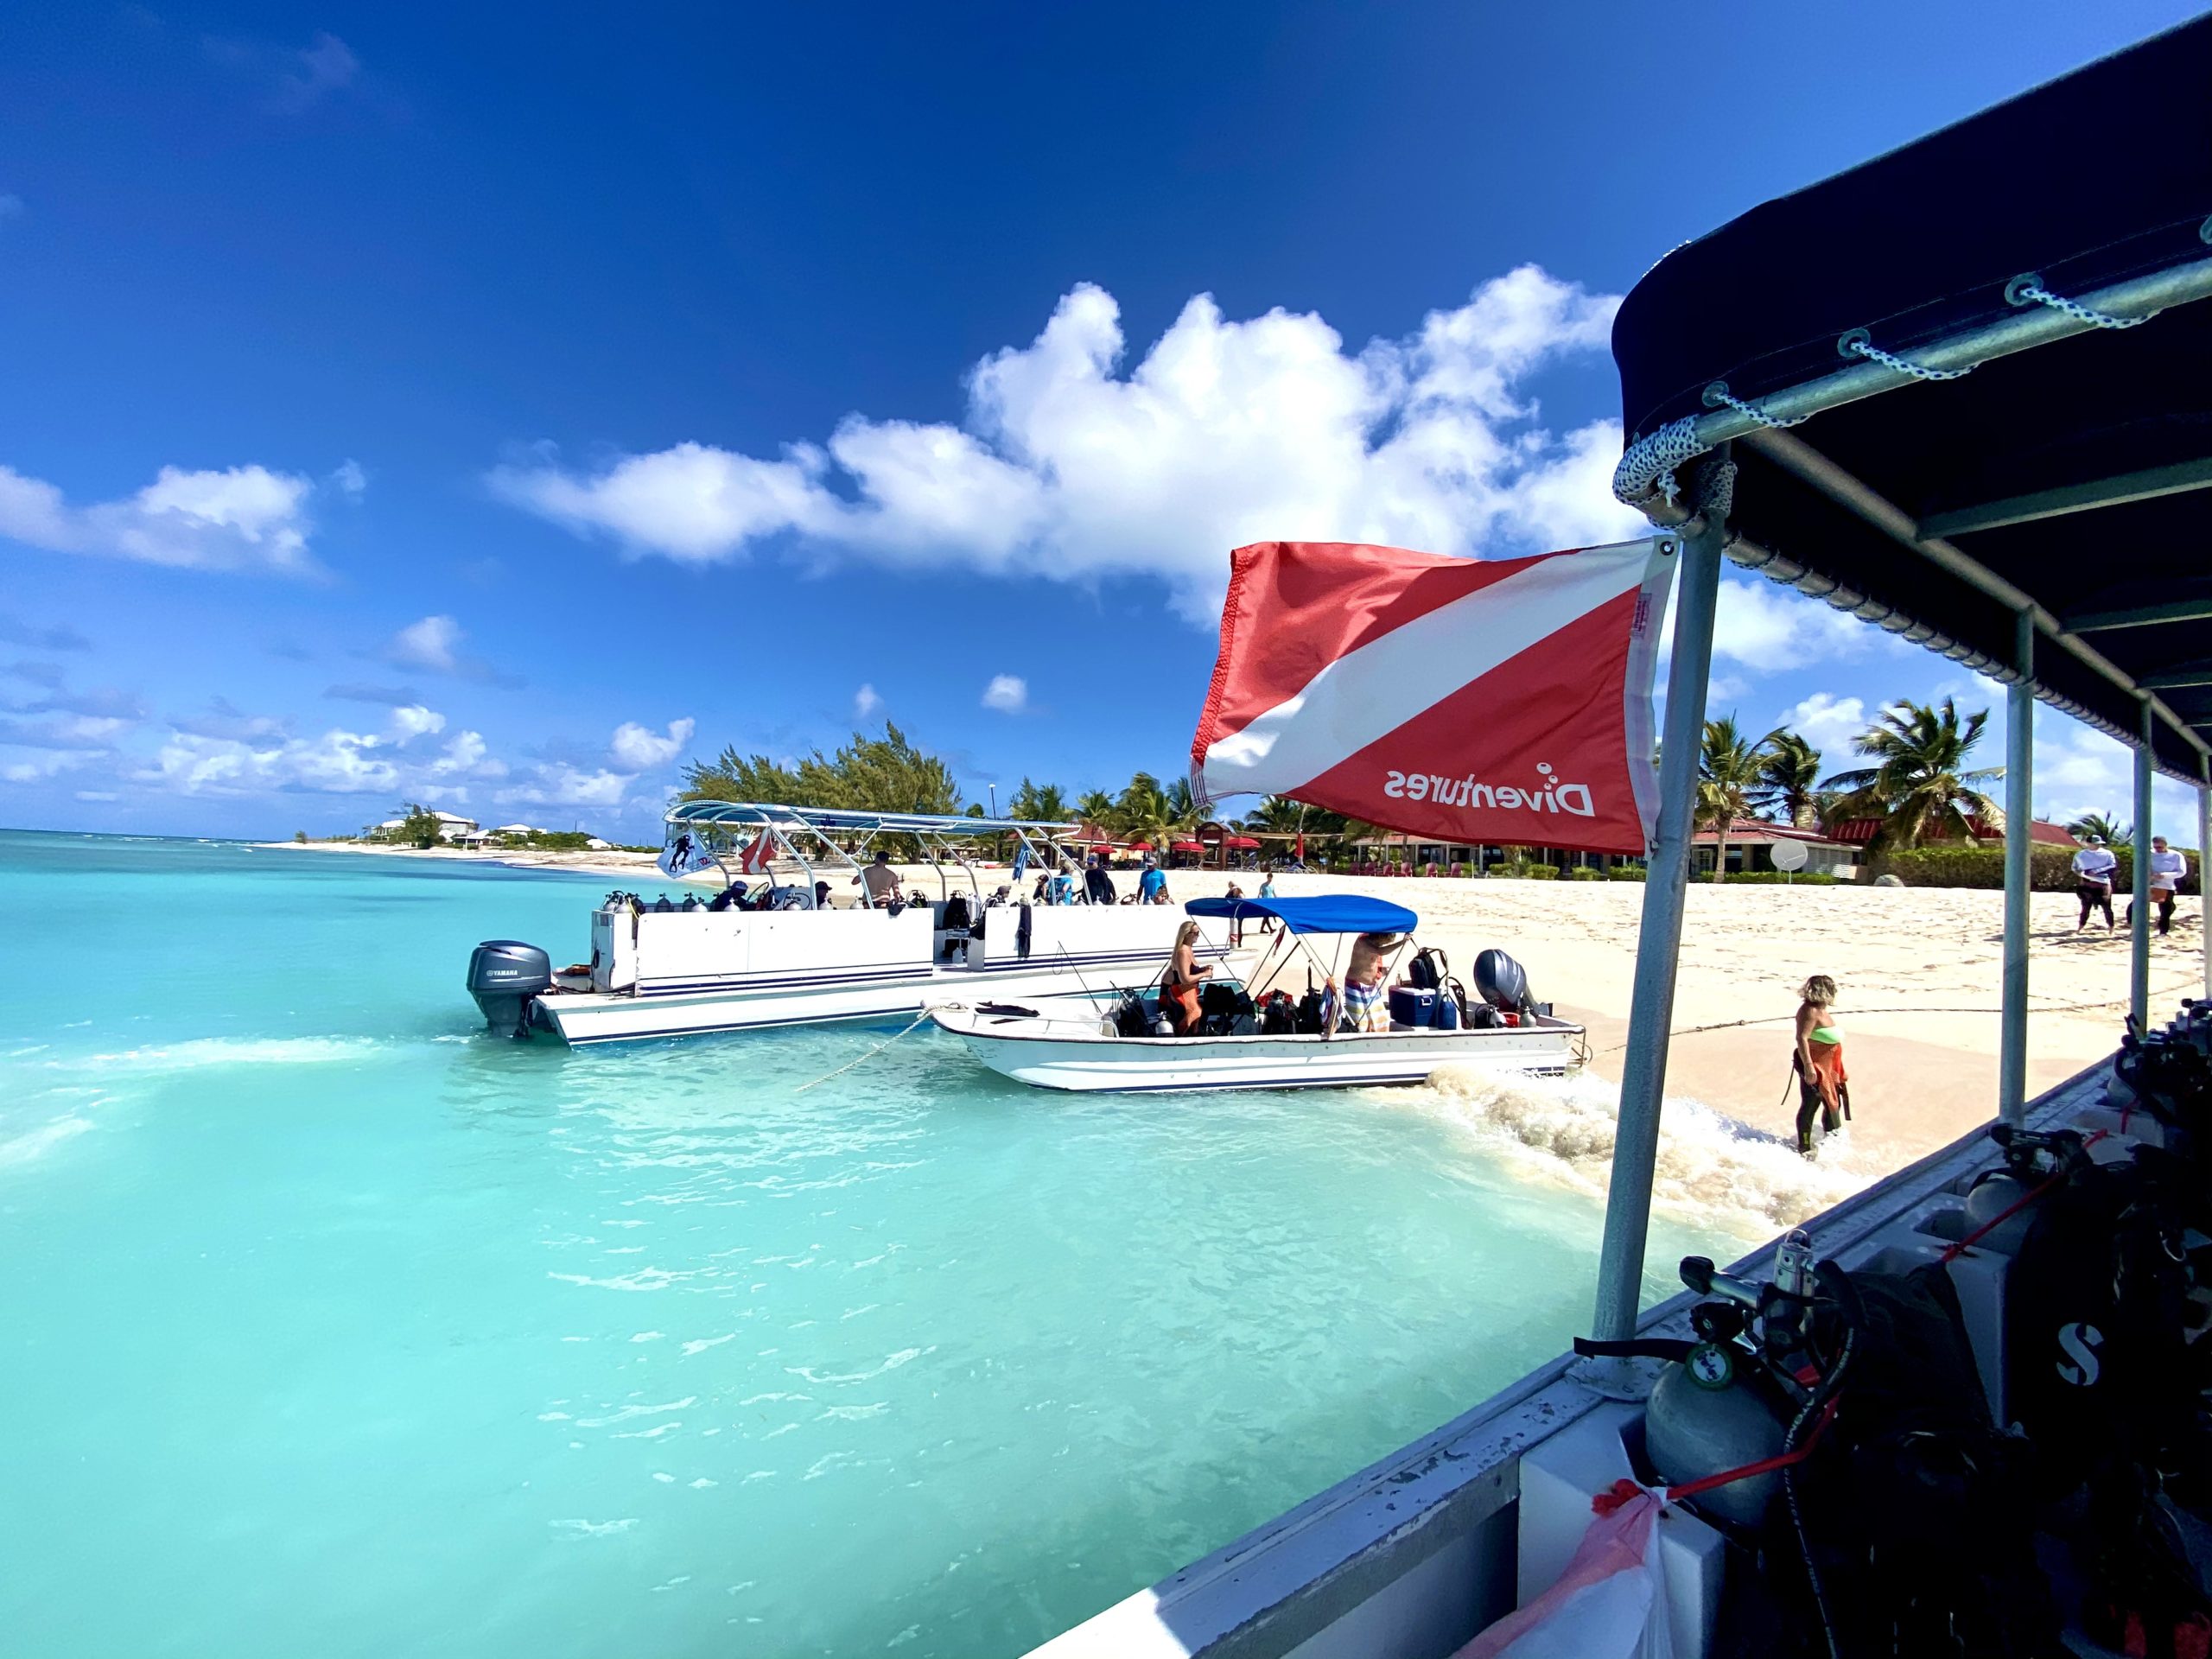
(1152, 885)
(2093, 868)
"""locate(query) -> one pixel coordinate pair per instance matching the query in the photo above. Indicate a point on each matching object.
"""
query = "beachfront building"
(454, 828)
(1858, 832)
(1387, 853)
(1751, 842)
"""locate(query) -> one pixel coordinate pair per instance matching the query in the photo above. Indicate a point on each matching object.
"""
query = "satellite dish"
(1789, 855)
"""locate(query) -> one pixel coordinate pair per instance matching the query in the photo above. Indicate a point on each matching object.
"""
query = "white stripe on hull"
(1081, 1060)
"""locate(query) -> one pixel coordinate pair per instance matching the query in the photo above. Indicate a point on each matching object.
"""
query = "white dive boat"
(1121, 1052)
(721, 964)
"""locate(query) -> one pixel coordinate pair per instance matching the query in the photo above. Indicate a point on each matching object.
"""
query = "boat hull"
(1071, 1055)
(583, 1018)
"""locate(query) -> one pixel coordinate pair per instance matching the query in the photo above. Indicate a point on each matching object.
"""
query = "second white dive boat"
(1234, 1047)
(781, 954)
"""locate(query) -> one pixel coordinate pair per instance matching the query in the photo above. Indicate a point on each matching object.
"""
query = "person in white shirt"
(2093, 868)
(2168, 869)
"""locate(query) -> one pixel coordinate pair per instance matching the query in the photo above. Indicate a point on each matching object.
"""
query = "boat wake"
(197, 1051)
(1712, 1170)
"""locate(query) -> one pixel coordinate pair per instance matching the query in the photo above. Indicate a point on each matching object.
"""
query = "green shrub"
(1541, 872)
(1956, 865)
(1586, 872)
(1779, 878)
(1626, 873)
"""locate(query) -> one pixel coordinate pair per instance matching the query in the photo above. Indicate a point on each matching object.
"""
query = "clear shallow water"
(331, 1325)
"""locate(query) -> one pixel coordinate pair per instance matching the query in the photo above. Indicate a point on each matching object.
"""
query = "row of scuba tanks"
(1835, 1428)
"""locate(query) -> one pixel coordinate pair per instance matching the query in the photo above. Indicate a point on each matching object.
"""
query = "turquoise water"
(331, 1325)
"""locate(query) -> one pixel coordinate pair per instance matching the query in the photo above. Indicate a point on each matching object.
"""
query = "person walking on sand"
(1823, 1090)
(2168, 869)
(2093, 868)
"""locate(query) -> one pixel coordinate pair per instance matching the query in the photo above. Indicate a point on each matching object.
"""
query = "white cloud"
(412, 720)
(1007, 693)
(641, 749)
(337, 763)
(429, 643)
(1225, 432)
(240, 519)
(350, 478)
(1768, 628)
(38, 767)
(562, 785)
(434, 645)
(866, 703)
(464, 754)
(1829, 723)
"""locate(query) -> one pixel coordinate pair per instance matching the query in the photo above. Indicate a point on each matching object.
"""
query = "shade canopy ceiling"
(2058, 469)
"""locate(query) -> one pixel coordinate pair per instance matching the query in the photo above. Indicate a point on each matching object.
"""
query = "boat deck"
(1413, 1555)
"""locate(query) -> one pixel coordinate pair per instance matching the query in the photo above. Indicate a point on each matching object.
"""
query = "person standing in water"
(1823, 1090)
(2093, 868)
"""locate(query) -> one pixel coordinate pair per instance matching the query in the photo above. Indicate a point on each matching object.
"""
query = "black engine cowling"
(1503, 983)
(504, 975)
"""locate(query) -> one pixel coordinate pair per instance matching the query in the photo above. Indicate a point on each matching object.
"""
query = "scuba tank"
(1720, 1408)
(1998, 1209)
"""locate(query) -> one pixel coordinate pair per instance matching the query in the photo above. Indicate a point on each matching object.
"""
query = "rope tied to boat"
(1717, 394)
(1647, 467)
(1857, 344)
(2029, 290)
(870, 1055)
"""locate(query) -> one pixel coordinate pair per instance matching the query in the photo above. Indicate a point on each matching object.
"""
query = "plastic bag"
(1610, 1604)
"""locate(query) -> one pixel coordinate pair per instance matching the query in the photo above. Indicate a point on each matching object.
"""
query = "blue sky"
(458, 408)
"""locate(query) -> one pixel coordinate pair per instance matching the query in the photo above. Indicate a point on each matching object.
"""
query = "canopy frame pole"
(1651, 1009)
(2139, 929)
(2203, 886)
(2019, 869)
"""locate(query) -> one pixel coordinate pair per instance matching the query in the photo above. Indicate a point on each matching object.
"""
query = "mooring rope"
(2038, 1007)
(870, 1055)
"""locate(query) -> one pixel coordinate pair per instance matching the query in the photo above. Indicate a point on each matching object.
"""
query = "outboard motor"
(504, 975)
(1503, 984)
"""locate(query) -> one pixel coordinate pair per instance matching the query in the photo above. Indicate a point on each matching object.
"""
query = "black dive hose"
(1839, 1285)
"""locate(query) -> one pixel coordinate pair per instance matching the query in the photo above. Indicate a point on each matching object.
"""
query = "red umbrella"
(1239, 843)
(1187, 847)
(1140, 846)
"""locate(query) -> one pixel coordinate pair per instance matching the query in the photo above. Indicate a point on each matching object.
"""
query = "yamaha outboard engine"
(1503, 984)
(503, 976)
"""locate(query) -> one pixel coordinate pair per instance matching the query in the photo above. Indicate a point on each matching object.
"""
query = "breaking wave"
(1712, 1170)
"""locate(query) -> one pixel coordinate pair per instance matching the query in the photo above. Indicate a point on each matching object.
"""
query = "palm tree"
(1095, 806)
(2100, 824)
(1789, 779)
(1729, 769)
(1919, 785)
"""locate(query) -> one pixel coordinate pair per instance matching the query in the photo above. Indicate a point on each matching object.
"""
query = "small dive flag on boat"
(753, 859)
(1499, 700)
(684, 855)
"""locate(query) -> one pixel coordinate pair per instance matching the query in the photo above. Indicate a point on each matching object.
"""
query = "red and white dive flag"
(1505, 701)
(753, 858)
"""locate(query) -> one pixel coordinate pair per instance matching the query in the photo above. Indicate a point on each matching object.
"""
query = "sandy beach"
(1919, 970)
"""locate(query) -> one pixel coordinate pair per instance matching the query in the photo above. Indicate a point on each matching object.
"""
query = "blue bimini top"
(1328, 912)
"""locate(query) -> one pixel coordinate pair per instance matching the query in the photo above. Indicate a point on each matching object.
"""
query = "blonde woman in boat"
(1178, 987)
(1823, 1088)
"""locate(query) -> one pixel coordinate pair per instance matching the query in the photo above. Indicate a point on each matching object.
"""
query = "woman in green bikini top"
(1823, 1090)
